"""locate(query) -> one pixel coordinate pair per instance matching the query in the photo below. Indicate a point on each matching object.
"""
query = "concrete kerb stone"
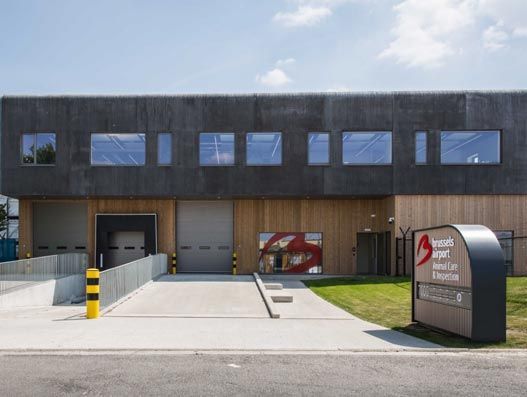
(273, 313)
(273, 286)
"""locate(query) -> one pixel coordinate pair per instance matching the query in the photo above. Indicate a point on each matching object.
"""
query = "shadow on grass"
(356, 280)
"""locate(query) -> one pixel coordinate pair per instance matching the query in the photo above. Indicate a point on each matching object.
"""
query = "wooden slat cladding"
(450, 318)
(497, 212)
(338, 220)
(25, 228)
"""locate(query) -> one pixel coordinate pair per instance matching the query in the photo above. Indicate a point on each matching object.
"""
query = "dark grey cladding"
(73, 118)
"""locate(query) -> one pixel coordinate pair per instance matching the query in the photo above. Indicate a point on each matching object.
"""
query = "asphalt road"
(219, 374)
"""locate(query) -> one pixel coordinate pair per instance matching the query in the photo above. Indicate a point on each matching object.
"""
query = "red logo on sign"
(425, 245)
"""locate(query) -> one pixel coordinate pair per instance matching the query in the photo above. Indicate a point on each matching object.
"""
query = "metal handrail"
(24, 272)
(117, 282)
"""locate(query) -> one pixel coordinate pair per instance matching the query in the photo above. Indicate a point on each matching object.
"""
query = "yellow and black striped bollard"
(92, 293)
(234, 263)
(174, 263)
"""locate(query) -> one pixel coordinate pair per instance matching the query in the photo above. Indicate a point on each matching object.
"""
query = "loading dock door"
(123, 238)
(125, 247)
(204, 236)
(59, 228)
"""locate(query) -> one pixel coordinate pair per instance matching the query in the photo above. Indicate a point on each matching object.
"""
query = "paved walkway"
(169, 321)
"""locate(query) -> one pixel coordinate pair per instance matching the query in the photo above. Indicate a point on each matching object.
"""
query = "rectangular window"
(164, 148)
(216, 148)
(118, 149)
(264, 148)
(470, 147)
(318, 148)
(367, 147)
(420, 147)
(39, 148)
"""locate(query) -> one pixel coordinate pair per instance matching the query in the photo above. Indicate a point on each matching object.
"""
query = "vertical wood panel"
(338, 221)
(25, 227)
(497, 212)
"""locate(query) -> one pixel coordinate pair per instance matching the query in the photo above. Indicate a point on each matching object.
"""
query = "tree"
(46, 154)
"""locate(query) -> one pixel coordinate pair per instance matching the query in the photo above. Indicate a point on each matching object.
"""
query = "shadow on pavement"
(398, 338)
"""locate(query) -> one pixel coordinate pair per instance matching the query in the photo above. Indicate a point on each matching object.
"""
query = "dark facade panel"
(74, 118)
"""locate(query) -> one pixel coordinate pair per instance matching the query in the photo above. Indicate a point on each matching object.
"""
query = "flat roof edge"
(273, 94)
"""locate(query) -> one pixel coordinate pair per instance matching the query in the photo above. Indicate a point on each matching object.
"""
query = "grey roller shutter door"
(204, 236)
(59, 228)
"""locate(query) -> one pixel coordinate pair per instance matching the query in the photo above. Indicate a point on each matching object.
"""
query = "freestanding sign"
(458, 281)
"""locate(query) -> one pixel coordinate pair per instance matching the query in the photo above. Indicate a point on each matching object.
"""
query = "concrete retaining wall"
(45, 293)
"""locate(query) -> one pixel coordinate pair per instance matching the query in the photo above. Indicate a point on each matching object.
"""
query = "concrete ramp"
(195, 295)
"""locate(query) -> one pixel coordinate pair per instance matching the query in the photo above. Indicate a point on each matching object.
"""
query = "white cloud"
(425, 31)
(273, 78)
(494, 38)
(511, 13)
(309, 12)
(285, 62)
(302, 16)
(520, 32)
(428, 32)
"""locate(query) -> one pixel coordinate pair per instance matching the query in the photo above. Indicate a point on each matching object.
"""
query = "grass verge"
(387, 301)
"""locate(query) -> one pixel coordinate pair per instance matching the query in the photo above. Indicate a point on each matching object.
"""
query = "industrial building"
(291, 183)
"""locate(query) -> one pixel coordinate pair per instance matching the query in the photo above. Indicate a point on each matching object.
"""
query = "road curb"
(365, 352)
(273, 313)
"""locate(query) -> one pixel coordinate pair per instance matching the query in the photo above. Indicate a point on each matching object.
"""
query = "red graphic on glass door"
(297, 244)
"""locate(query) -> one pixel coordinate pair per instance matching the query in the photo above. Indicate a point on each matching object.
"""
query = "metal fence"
(16, 274)
(117, 282)
(403, 256)
(515, 254)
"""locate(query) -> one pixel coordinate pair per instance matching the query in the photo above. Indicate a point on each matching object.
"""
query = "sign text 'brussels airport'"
(458, 281)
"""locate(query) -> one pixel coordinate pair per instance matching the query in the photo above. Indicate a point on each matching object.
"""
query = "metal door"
(124, 247)
(204, 236)
(59, 228)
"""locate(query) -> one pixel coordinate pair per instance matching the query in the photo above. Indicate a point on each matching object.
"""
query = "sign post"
(458, 281)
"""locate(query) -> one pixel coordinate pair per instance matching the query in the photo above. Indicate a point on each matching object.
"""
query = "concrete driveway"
(202, 313)
(195, 296)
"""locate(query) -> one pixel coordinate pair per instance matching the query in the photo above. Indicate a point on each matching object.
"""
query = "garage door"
(125, 247)
(59, 228)
(204, 236)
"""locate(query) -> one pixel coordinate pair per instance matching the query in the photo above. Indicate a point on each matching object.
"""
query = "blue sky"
(233, 46)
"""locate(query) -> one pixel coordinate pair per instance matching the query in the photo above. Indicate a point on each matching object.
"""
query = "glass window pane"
(318, 148)
(420, 147)
(46, 148)
(216, 148)
(373, 147)
(164, 148)
(118, 149)
(290, 252)
(264, 148)
(28, 148)
(472, 147)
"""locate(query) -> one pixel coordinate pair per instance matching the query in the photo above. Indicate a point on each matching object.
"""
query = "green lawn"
(386, 301)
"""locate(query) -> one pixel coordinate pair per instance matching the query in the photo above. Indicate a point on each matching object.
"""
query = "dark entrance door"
(373, 253)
